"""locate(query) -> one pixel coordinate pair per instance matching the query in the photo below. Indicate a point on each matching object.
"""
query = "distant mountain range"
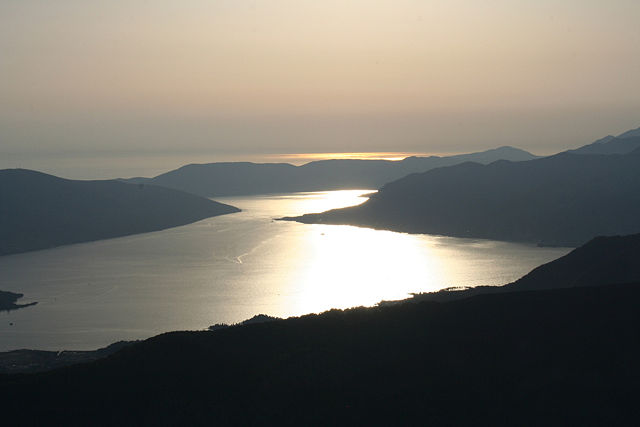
(39, 211)
(565, 200)
(243, 178)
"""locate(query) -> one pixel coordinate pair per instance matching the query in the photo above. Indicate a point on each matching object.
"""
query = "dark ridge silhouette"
(624, 143)
(243, 178)
(613, 259)
(630, 133)
(603, 260)
(610, 145)
(19, 361)
(562, 200)
(8, 301)
(39, 211)
(31, 361)
(556, 357)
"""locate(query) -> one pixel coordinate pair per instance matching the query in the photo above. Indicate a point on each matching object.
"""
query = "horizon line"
(363, 155)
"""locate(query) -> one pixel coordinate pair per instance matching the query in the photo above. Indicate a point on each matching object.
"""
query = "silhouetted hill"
(223, 179)
(565, 200)
(602, 260)
(39, 211)
(557, 357)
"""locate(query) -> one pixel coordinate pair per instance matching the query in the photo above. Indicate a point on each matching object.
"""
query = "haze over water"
(229, 268)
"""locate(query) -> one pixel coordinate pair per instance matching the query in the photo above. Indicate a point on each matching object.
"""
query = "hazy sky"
(87, 81)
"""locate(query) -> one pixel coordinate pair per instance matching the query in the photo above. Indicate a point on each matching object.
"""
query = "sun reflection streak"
(350, 266)
(301, 268)
(326, 200)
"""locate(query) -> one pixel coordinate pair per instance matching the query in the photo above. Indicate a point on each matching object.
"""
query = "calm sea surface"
(229, 268)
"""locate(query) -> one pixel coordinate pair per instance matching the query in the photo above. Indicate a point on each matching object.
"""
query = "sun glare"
(309, 157)
(347, 263)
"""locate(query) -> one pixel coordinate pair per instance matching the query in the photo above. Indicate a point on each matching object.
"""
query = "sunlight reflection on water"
(229, 268)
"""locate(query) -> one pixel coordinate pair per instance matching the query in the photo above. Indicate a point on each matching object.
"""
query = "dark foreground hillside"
(18, 361)
(556, 357)
(39, 211)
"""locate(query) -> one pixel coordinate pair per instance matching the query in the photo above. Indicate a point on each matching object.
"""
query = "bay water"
(229, 268)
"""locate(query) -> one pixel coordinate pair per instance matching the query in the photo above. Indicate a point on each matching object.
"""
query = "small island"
(8, 301)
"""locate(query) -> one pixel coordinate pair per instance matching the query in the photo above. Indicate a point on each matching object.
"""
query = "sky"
(94, 89)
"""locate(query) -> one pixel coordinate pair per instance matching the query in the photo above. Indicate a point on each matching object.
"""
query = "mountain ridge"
(623, 143)
(560, 200)
(40, 211)
(245, 178)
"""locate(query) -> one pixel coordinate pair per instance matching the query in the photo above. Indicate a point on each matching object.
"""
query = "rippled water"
(229, 268)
